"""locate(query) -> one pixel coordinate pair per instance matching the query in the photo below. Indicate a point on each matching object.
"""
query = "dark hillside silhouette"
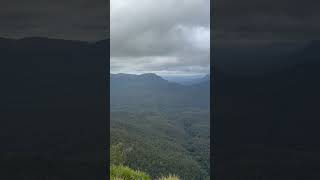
(52, 109)
(267, 125)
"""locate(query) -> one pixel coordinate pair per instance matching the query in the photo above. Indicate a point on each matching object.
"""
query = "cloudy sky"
(163, 36)
(64, 19)
(255, 22)
(167, 37)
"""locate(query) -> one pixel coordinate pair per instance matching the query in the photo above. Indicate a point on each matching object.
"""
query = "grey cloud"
(266, 20)
(82, 20)
(169, 36)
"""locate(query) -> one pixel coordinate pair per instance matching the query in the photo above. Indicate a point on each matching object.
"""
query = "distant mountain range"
(186, 80)
(154, 91)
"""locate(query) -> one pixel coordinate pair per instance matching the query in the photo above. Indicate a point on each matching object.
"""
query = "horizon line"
(52, 38)
(137, 74)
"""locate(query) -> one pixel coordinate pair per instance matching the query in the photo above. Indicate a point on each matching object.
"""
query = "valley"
(164, 126)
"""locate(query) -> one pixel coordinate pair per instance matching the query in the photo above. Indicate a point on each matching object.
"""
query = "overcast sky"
(252, 22)
(167, 37)
(85, 20)
(163, 36)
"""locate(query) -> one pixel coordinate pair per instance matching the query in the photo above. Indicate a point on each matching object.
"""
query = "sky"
(163, 36)
(85, 20)
(254, 22)
(167, 37)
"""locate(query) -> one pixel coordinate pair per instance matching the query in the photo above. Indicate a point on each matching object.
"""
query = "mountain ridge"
(204, 79)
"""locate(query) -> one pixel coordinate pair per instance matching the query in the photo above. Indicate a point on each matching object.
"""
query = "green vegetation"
(170, 177)
(121, 172)
(160, 128)
(125, 173)
(160, 145)
(117, 154)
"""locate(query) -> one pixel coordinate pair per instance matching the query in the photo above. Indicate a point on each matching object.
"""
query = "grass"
(170, 177)
(121, 172)
(125, 173)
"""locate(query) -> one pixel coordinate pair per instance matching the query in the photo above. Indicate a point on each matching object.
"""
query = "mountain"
(165, 126)
(53, 102)
(185, 80)
(198, 80)
(154, 91)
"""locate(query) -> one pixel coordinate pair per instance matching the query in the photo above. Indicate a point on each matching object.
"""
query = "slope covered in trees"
(162, 126)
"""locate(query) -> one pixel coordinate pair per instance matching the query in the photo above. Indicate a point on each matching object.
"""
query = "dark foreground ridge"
(267, 125)
(52, 109)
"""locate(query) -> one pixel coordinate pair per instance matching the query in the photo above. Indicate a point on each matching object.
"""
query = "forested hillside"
(163, 126)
